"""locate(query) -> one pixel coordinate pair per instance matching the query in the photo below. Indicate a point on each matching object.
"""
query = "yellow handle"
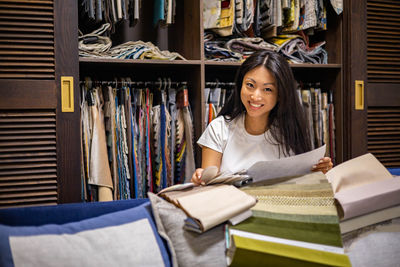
(67, 94)
(359, 95)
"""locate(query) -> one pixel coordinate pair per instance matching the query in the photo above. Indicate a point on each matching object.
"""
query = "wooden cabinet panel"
(39, 144)
(372, 55)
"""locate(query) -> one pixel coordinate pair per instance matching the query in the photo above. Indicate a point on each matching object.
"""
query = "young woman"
(263, 120)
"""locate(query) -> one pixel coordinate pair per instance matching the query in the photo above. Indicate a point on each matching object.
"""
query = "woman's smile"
(255, 106)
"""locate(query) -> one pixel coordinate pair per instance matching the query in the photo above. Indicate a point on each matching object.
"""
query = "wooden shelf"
(295, 66)
(139, 61)
(222, 63)
(316, 66)
(192, 63)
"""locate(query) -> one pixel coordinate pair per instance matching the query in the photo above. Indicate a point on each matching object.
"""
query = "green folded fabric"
(296, 217)
(321, 233)
(252, 252)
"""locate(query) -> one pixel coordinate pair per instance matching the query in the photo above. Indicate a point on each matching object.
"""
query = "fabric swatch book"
(294, 223)
(262, 171)
(209, 206)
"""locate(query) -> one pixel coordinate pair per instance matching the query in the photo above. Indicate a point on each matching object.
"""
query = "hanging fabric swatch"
(109, 114)
(135, 139)
(186, 116)
(99, 170)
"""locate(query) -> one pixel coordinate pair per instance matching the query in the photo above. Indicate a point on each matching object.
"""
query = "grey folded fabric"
(377, 248)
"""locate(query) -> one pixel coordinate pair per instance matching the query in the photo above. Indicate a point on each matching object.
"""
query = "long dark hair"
(287, 118)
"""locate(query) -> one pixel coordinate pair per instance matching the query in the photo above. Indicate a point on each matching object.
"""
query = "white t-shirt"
(240, 150)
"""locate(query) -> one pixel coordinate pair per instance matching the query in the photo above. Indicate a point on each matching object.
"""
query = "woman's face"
(259, 92)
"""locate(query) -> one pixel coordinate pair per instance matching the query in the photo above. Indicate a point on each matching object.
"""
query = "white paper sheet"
(291, 166)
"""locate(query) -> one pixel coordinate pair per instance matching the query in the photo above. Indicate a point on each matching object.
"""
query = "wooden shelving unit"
(186, 38)
(26, 87)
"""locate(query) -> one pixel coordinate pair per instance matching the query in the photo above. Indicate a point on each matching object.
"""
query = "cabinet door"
(372, 58)
(39, 139)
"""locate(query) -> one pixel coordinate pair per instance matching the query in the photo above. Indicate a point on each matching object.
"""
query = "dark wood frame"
(68, 123)
(354, 67)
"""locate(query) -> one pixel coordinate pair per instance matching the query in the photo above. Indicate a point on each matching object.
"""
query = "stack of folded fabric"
(97, 45)
(298, 49)
(294, 222)
(210, 205)
(366, 192)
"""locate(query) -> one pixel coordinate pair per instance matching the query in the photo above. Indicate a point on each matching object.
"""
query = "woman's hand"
(323, 165)
(196, 177)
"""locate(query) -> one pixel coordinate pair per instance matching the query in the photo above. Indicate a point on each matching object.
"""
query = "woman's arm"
(209, 157)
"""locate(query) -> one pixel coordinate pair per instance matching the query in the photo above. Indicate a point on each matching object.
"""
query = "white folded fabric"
(370, 197)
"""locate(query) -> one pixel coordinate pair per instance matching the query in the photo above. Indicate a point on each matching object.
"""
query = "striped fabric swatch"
(297, 215)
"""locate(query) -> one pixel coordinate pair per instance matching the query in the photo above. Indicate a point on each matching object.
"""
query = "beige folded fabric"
(369, 197)
(173, 196)
(356, 172)
(213, 205)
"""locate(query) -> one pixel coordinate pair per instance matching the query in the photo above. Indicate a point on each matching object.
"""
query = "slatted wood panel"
(383, 41)
(383, 76)
(28, 159)
(384, 134)
(27, 39)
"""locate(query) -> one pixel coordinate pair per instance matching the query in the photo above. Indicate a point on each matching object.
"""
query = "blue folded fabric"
(63, 213)
(127, 237)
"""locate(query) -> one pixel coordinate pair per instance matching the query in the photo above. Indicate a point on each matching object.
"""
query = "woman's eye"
(250, 85)
(268, 89)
